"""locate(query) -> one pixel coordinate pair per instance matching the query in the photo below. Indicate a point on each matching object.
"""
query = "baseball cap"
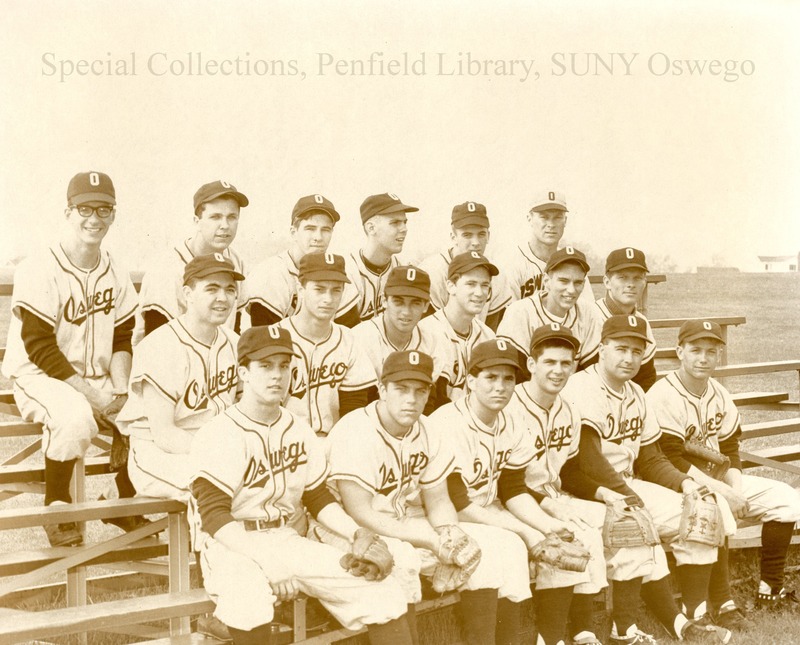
(265, 340)
(623, 326)
(549, 200)
(215, 189)
(408, 281)
(401, 366)
(567, 254)
(322, 266)
(554, 330)
(383, 204)
(464, 262)
(314, 203)
(625, 258)
(469, 213)
(697, 329)
(491, 353)
(91, 186)
(201, 266)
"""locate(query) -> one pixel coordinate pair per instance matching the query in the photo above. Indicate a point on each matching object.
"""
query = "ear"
(452, 235)
(607, 282)
(545, 281)
(470, 382)
(186, 291)
(382, 390)
(531, 365)
(679, 352)
(451, 286)
(242, 371)
(67, 211)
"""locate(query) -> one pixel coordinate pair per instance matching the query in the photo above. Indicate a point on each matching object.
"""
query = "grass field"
(771, 304)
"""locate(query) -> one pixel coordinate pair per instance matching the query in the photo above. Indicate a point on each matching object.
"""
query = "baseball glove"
(628, 524)
(369, 556)
(710, 461)
(118, 457)
(561, 551)
(459, 556)
(701, 519)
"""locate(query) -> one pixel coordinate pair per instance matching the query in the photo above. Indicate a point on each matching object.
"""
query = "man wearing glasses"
(69, 341)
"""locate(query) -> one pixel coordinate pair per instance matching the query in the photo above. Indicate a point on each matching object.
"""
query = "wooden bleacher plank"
(111, 614)
(666, 353)
(752, 398)
(770, 428)
(669, 323)
(744, 369)
(26, 473)
(773, 458)
(19, 429)
(185, 639)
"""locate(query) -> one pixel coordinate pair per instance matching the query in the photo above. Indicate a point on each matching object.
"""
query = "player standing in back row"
(69, 342)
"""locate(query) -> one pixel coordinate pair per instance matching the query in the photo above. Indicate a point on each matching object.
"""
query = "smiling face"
(216, 224)
(312, 234)
(89, 230)
(404, 312)
(551, 367)
(388, 231)
(404, 400)
(471, 290)
(321, 298)
(626, 286)
(492, 388)
(698, 358)
(266, 381)
(469, 238)
(620, 359)
(210, 300)
(564, 285)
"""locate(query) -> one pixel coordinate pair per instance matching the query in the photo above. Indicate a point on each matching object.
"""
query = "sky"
(604, 101)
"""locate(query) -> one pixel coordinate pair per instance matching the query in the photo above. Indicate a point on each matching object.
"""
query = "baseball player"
(331, 374)
(456, 327)
(384, 220)
(493, 450)
(625, 281)
(183, 374)
(469, 232)
(691, 407)
(69, 341)
(524, 266)
(272, 285)
(617, 436)
(216, 219)
(406, 296)
(390, 471)
(558, 301)
(258, 468)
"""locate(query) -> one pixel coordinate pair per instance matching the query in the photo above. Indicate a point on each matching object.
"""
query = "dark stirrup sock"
(694, 580)
(478, 616)
(581, 616)
(625, 601)
(395, 632)
(411, 617)
(124, 484)
(719, 587)
(509, 616)
(657, 595)
(775, 540)
(552, 609)
(261, 635)
(57, 477)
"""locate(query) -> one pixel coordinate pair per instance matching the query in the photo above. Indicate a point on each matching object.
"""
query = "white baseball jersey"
(394, 469)
(320, 370)
(457, 348)
(83, 307)
(437, 266)
(709, 418)
(553, 434)
(365, 288)
(200, 380)
(162, 286)
(524, 316)
(371, 336)
(620, 418)
(603, 313)
(273, 285)
(482, 452)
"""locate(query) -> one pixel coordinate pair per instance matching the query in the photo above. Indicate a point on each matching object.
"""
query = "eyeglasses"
(102, 212)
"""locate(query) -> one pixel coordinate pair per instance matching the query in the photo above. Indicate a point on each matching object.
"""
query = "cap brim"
(211, 271)
(494, 362)
(398, 208)
(333, 276)
(316, 207)
(491, 268)
(626, 265)
(268, 351)
(412, 292)
(699, 335)
(627, 334)
(549, 206)
(408, 375)
(471, 220)
(576, 344)
(85, 198)
(240, 198)
(586, 268)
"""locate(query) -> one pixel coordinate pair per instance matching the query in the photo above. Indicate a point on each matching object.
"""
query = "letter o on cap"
(329, 258)
(274, 332)
(413, 358)
(629, 253)
(501, 345)
(632, 321)
(706, 325)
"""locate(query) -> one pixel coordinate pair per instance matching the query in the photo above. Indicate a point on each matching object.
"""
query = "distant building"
(779, 263)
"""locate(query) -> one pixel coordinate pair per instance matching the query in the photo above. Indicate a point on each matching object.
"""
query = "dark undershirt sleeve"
(646, 376)
(260, 315)
(237, 322)
(493, 320)
(438, 396)
(349, 318)
(354, 399)
(40, 343)
(317, 498)
(672, 447)
(153, 320)
(652, 466)
(458, 491)
(122, 336)
(511, 484)
(430, 310)
(524, 374)
(730, 448)
(575, 476)
(214, 505)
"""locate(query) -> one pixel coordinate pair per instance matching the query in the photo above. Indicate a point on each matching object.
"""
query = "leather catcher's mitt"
(459, 555)
(563, 551)
(628, 524)
(369, 556)
(710, 461)
(120, 444)
(701, 519)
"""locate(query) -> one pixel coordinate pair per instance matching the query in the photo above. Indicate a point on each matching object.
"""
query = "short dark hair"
(201, 207)
(245, 361)
(537, 351)
(311, 213)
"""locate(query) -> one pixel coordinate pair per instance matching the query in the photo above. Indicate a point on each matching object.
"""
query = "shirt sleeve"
(515, 327)
(441, 457)
(219, 456)
(39, 339)
(168, 377)
(360, 373)
(35, 291)
(268, 286)
(352, 453)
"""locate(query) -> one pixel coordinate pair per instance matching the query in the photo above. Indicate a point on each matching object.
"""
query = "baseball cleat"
(210, 625)
(702, 630)
(586, 638)
(768, 598)
(633, 636)
(66, 534)
(731, 617)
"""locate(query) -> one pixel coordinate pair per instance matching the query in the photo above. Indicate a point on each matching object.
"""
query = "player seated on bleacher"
(700, 430)
(183, 374)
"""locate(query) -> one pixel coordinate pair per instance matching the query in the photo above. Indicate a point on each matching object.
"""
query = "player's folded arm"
(672, 448)
(160, 410)
(213, 504)
(653, 466)
(39, 339)
(123, 333)
(457, 490)
(575, 477)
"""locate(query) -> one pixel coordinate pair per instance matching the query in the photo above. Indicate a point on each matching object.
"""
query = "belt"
(263, 524)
